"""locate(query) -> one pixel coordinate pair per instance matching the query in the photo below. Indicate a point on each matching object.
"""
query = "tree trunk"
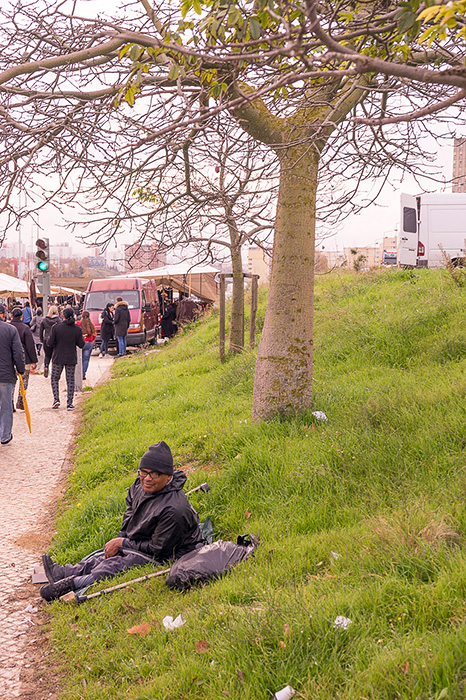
(236, 341)
(283, 379)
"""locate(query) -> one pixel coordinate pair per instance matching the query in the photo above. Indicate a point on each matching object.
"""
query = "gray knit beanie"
(158, 458)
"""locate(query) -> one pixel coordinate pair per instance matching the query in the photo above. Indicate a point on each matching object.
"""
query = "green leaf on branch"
(174, 72)
(254, 28)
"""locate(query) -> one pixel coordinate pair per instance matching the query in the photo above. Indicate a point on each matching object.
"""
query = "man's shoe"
(71, 408)
(56, 404)
(100, 354)
(54, 572)
(52, 591)
(5, 442)
(46, 372)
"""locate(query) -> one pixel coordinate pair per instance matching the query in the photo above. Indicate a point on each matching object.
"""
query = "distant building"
(389, 250)
(459, 165)
(259, 264)
(362, 257)
(139, 258)
(328, 259)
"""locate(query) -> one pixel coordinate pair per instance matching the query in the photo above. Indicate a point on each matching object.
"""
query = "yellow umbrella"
(25, 403)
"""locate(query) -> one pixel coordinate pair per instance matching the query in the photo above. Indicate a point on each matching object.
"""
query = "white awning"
(12, 286)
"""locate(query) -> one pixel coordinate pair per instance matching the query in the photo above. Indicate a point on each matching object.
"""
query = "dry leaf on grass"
(142, 629)
(202, 646)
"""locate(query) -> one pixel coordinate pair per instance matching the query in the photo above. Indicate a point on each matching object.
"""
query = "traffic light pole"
(45, 292)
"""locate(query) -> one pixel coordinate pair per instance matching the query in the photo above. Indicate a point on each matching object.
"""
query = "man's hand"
(112, 548)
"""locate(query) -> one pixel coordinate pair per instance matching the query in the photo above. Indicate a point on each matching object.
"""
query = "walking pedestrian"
(64, 339)
(29, 347)
(89, 334)
(122, 321)
(35, 328)
(11, 361)
(27, 313)
(46, 326)
(107, 329)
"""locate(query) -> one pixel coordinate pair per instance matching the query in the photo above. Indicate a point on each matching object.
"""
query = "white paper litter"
(285, 693)
(31, 609)
(320, 415)
(172, 624)
(342, 623)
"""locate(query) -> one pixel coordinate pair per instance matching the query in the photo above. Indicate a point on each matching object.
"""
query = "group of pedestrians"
(59, 336)
(115, 320)
(19, 349)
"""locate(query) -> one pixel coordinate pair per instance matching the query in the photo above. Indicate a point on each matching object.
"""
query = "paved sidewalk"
(30, 468)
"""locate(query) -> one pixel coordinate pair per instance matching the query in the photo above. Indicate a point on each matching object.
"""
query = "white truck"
(432, 230)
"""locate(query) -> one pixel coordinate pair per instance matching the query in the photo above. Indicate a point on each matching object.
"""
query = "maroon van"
(141, 297)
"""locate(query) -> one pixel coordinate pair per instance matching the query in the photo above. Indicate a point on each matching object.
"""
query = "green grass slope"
(361, 516)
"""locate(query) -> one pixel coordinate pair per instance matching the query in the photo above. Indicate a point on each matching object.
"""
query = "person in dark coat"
(64, 339)
(45, 330)
(168, 321)
(107, 329)
(122, 321)
(11, 361)
(29, 347)
(159, 524)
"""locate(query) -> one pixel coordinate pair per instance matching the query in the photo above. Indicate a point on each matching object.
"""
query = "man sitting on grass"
(159, 524)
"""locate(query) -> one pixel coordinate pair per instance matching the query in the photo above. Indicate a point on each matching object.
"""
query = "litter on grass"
(320, 415)
(172, 624)
(342, 623)
(285, 693)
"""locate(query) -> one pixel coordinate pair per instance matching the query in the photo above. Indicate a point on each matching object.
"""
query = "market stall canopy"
(57, 290)
(12, 286)
(198, 280)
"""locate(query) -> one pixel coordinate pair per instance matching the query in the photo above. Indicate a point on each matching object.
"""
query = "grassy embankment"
(362, 516)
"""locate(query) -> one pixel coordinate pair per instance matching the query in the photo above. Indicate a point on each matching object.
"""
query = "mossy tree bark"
(283, 379)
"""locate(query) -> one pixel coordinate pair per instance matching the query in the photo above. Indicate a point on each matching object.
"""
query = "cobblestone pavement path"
(30, 468)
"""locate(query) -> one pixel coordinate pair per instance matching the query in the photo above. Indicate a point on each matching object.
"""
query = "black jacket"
(11, 353)
(163, 525)
(107, 326)
(46, 327)
(122, 318)
(64, 339)
(27, 340)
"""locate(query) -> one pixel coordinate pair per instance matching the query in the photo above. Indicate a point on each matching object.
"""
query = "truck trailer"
(432, 230)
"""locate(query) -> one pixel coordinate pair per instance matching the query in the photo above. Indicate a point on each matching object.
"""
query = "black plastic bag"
(210, 562)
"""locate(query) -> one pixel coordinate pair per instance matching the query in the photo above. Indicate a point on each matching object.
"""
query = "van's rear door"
(409, 231)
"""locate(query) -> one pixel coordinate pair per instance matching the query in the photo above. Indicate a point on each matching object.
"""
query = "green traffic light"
(42, 266)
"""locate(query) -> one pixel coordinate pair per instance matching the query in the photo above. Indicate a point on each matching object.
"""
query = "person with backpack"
(35, 328)
(46, 326)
